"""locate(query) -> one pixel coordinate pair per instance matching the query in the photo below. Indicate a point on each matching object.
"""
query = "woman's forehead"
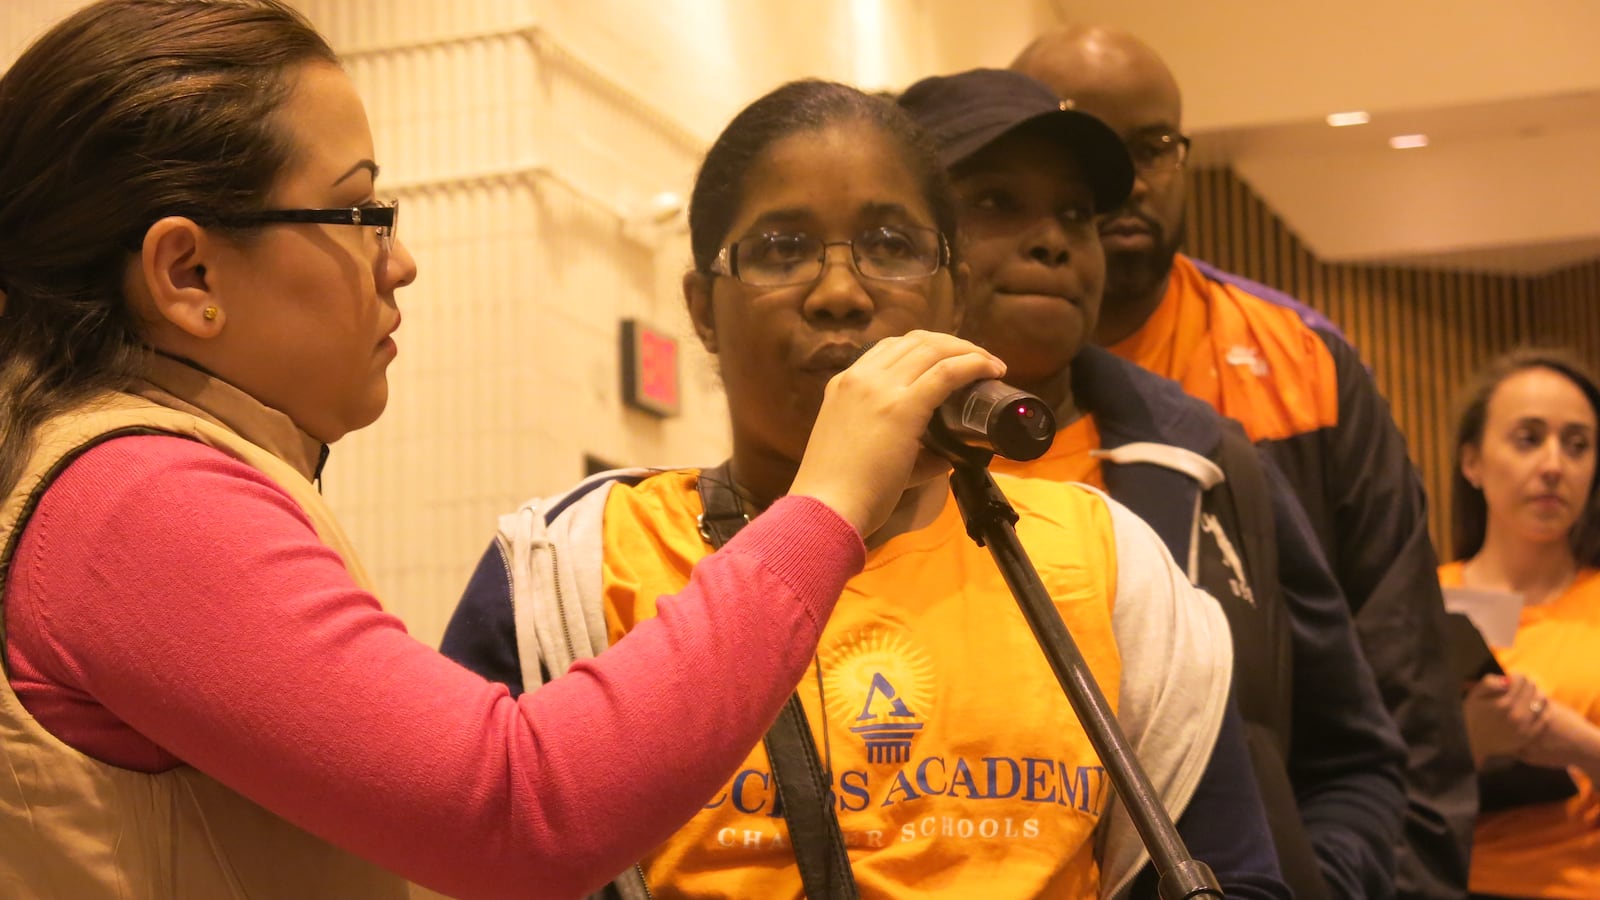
(1541, 393)
(851, 171)
(327, 122)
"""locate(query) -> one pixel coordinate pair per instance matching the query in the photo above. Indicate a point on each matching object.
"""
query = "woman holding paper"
(1527, 523)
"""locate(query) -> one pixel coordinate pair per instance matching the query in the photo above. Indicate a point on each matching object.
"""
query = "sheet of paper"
(1494, 613)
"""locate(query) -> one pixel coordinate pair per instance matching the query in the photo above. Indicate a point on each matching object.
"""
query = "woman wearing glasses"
(202, 698)
(820, 226)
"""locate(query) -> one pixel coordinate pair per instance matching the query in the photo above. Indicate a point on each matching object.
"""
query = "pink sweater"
(170, 605)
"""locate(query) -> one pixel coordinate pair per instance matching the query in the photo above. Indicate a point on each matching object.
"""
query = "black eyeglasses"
(1158, 152)
(886, 253)
(383, 215)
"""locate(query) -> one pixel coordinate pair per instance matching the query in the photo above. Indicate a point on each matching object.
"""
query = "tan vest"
(74, 828)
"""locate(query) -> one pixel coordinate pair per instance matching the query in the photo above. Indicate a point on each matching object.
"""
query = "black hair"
(800, 106)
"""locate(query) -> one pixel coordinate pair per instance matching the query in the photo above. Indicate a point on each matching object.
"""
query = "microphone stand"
(989, 518)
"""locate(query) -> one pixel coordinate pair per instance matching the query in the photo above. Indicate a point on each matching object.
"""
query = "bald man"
(1304, 397)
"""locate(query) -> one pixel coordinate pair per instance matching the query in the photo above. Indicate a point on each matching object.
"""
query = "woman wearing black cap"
(1032, 176)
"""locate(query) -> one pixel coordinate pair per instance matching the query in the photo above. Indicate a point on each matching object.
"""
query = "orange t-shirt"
(1253, 360)
(959, 767)
(1550, 849)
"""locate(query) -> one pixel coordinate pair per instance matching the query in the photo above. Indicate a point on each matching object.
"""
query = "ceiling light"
(1355, 117)
(1408, 141)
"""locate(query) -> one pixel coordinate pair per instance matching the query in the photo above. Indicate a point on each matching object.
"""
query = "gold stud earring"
(210, 313)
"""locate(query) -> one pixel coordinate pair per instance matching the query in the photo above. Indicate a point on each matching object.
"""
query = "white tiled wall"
(526, 140)
(517, 172)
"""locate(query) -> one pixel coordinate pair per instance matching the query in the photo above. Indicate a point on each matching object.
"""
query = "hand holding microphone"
(993, 417)
(866, 444)
(868, 436)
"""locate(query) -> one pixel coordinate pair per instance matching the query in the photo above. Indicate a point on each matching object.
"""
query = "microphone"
(994, 416)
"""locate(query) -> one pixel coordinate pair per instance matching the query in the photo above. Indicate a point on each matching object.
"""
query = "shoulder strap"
(803, 783)
(1248, 485)
(1253, 521)
(724, 515)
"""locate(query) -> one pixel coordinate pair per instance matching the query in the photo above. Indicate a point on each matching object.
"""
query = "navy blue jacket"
(1325, 732)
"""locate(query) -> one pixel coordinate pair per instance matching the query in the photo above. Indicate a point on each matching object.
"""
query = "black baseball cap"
(970, 110)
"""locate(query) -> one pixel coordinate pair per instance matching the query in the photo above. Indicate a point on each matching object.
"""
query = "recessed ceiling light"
(1354, 117)
(1408, 141)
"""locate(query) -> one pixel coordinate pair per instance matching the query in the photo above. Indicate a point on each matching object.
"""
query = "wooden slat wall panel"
(1566, 310)
(1422, 332)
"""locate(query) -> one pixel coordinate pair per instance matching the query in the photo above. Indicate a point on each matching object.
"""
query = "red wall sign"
(649, 369)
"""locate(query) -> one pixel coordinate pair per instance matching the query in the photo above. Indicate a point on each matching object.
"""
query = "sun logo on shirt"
(879, 687)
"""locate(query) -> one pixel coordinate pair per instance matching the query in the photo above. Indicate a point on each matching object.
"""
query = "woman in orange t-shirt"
(1527, 522)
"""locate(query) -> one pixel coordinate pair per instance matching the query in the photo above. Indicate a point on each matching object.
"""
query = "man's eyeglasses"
(887, 253)
(1159, 152)
(382, 214)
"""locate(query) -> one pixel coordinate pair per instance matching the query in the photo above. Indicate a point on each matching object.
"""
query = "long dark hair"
(124, 112)
(798, 106)
(1469, 509)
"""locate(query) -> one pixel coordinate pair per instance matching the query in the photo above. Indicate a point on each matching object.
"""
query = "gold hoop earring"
(210, 313)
